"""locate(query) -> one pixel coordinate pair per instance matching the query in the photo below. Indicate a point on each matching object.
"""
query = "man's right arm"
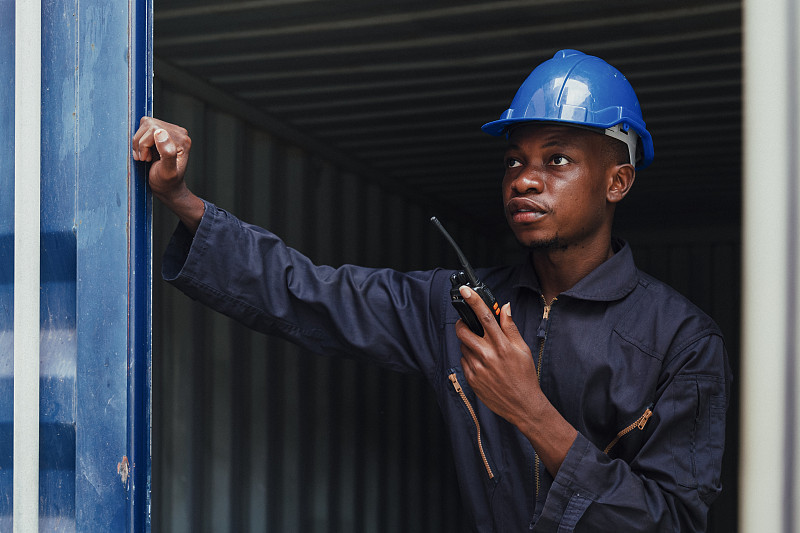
(166, 177)
(249, 274)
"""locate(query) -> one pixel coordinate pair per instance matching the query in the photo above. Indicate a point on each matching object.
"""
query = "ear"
(620, 182)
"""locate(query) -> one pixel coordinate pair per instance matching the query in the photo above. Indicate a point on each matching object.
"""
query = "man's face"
(555, 187)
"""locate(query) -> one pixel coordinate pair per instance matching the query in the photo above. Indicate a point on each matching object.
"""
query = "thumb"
(166, 150)
(165, 178)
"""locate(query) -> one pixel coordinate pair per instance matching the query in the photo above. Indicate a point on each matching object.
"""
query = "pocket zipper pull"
(638, 424)
(645, 417)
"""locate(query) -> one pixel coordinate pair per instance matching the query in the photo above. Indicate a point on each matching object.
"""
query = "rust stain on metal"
(123, 469)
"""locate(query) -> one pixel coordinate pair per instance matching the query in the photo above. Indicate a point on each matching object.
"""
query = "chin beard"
(554, 243)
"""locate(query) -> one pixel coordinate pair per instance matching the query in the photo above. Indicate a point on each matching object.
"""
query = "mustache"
(521, 203)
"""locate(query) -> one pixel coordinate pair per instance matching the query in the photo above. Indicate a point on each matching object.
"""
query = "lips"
(523, 210)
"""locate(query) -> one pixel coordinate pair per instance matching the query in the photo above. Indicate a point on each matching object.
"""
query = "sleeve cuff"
(566, 501)
(185, 248)
(567, 474)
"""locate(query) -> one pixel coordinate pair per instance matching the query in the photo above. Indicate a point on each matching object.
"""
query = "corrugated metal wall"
(252, 434)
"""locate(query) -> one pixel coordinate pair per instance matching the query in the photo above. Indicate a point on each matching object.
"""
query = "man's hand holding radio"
(500, 369)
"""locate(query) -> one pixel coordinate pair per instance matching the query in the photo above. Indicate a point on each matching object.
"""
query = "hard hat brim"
(499, 128)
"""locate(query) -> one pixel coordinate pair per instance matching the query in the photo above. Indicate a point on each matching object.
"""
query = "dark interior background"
(343, 126)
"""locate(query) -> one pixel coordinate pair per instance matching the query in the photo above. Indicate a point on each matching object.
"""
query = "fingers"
(167, 147)
(497, 339)
(143, 141)
(482, 312)
(477, 349)
(487, 319)
(508, 325)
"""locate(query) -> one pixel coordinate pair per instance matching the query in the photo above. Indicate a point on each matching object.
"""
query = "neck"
(559, 270)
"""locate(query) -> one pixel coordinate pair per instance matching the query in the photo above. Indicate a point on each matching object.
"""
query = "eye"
(512, 163)
(559, 160)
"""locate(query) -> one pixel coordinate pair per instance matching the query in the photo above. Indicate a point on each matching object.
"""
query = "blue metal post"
(57, 321)
(6, 261)
(113, 270)
(140, 267)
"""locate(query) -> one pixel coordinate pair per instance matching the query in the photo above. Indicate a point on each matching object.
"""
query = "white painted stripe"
(27, 162)
(57, 350)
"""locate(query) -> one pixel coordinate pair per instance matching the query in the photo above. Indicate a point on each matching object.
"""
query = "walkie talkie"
(467, 277)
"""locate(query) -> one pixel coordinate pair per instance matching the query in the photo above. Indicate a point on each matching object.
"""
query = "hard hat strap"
(622, 132)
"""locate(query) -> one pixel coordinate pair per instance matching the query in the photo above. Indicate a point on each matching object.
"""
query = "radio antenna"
(464, 263)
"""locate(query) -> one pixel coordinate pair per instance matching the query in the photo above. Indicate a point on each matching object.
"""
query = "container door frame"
(92, 234)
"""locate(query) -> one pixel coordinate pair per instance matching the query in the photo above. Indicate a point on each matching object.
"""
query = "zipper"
(541, 334)
(638, 424)
(460, 391)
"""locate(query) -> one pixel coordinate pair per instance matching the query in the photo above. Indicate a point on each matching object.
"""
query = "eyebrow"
(549, 144)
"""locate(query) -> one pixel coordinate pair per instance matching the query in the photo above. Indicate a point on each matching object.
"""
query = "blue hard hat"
(575, 88)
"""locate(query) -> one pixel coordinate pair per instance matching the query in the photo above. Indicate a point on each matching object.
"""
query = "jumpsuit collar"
(612, 280)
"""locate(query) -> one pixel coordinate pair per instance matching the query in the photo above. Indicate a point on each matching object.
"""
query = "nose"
(527, 181)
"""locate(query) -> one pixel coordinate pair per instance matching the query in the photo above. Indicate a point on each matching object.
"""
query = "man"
(597, 406)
